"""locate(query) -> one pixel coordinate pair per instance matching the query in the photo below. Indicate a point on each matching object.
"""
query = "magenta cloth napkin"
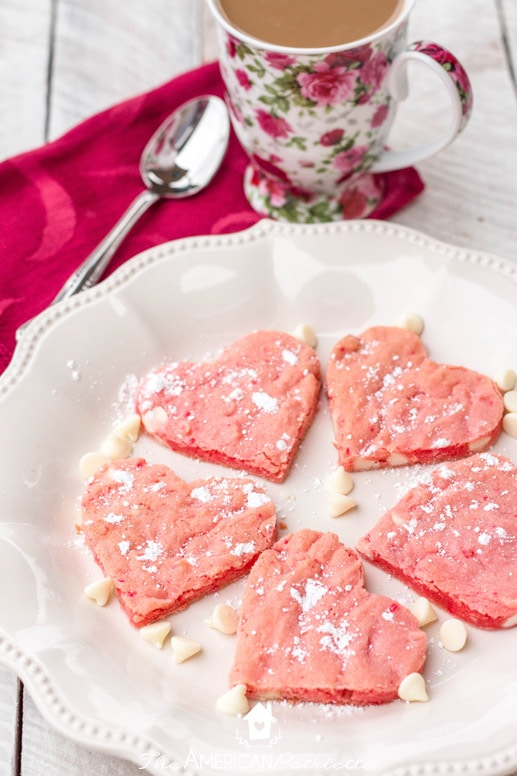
(58, 201)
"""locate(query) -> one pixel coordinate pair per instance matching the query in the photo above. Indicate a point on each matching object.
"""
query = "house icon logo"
(261, 727)
(260, 720)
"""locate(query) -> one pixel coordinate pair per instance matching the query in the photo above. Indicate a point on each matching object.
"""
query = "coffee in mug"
(314, 117)
(310, 23)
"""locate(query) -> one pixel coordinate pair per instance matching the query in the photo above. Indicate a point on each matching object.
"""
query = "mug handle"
(457, 84)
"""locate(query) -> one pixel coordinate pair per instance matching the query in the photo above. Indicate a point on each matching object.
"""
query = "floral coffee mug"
(314, 122)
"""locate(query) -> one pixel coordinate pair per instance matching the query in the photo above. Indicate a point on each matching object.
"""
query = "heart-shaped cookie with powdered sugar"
(391, 405)
(165, 542)
(452, 538)
(249, 408)
(310, 631)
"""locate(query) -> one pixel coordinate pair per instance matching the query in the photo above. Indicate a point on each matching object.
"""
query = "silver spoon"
(179, 160)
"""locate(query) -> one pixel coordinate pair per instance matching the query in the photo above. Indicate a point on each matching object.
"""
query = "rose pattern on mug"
(279, 94)
(314, 123)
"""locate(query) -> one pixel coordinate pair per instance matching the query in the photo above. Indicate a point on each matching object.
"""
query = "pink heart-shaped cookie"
(310, 631)
(165, 542)
(452, 538)
(248, 409)
(391, 405)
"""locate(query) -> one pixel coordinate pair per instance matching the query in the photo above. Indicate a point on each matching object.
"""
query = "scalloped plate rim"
(108, 739)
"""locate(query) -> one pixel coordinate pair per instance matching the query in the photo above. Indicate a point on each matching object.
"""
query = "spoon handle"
(89, 272)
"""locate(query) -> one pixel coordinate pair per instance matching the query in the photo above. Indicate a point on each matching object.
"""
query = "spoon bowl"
(185, 152)
(180, 159)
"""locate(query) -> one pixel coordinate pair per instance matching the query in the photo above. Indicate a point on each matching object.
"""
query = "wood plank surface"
(47, 753)
(508, 13)
(471, 187)
(105, 51)
(9, 690)
(62, 60)
(24, 59)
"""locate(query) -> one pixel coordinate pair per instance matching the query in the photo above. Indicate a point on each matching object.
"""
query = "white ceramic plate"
(91, 674)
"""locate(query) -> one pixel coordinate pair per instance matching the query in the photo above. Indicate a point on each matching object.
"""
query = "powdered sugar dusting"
(236, 375)
(290, 357)
(124, 478)
(164, 382)
(284, 442)
(157, 486)
(411, 408)
(256, 500)
(113, 518)
(265, 402)
(440, 442)
(314, 591)
(455, 533)
(243, 548)
(152, 551)
(337, 639)
(202, 494)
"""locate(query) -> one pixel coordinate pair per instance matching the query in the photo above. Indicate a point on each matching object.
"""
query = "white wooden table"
(63, 60)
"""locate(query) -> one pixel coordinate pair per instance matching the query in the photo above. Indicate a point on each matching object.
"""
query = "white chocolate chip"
(305, 333)
(510, 401)
(129, 427)
(398, 459)
(234, 701)
(412, 688)
(99, 591)
(396, 518)
(90, 463)
(505, 379)
(116, 447)
(510, 424)
(453, 635)
(224, 619)
(412, 322)
(423, 611)
(156, 633)
(155, 419)
(184, 648)
(340, 481)
(479, 444)
(510, 622)
(340, 504)
(364, 465)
